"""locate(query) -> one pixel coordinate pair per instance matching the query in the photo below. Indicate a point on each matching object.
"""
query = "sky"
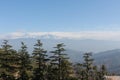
(88, 16)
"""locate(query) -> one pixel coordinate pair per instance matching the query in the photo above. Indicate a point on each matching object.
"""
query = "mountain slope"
(110, 58)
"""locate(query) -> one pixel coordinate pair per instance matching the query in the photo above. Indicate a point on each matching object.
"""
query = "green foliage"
(39, 55)
(8, 61)
(88, 65)
(88, 71)
(18, 65)
(24, 62)
(61, 67)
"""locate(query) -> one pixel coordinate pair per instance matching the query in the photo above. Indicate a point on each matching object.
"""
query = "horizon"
(64, 19)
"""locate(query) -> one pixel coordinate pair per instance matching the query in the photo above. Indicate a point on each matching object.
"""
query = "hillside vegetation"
(20, 65)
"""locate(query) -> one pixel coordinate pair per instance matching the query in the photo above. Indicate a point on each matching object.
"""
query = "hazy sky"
(59, 15)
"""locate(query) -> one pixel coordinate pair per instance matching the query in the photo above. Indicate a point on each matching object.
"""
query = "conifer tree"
(88, 65)
(59, 63)
(102, 72)
(39, 55)
(88, 71)
(95, 73)
(8, 61)
(79, 71)
(24, 62)
(66, 69)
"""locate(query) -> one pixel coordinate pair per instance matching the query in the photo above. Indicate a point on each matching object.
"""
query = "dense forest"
(22, 65)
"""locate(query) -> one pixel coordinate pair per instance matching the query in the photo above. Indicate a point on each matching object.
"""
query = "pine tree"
(83, 74)
(8, 61)
(59, 63)
(79, 71)
(95, 73)
(39, 55)
(66, 69)
(24, 62)
(102, 72)
(88, 71)
(88, 65)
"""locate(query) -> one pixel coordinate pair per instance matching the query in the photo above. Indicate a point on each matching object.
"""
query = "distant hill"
(110, 58)
(85, 45)
(75, 56)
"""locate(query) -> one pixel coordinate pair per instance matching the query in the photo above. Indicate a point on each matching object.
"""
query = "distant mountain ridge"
(85, 45)
(110, 58)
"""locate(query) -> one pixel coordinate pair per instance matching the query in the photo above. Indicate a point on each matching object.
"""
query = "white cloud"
(105, 35)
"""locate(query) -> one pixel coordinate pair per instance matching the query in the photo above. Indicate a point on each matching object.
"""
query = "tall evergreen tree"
(79, 71)
(66, 69)
(88, 71)
(95, 73)
(102, 72)
(8, 61)
(24, 62)
(39, 55)
(88, 65)
(59, 63)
